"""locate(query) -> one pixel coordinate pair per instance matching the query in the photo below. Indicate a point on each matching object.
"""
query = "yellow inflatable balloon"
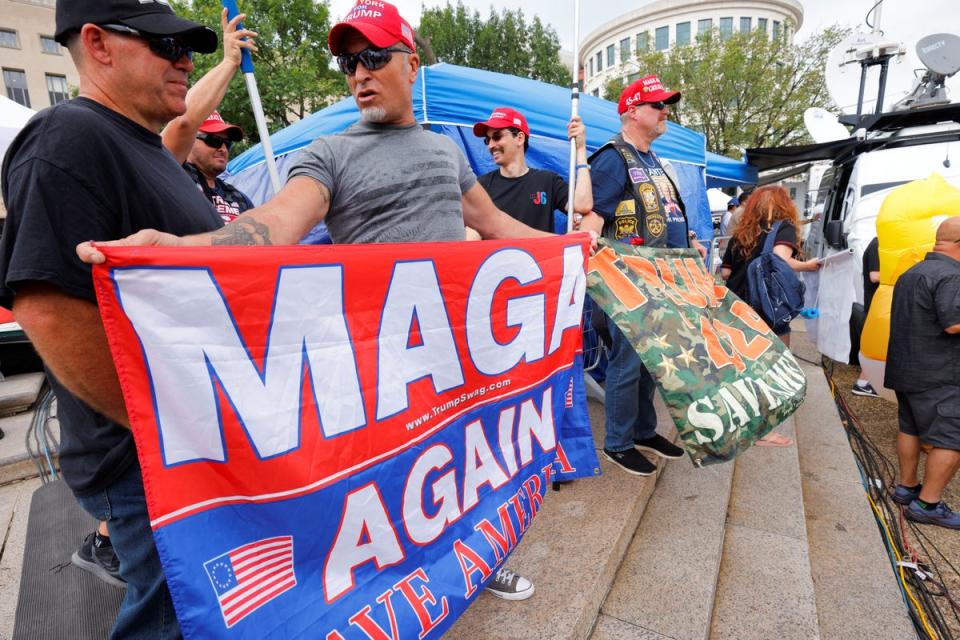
(906, 229)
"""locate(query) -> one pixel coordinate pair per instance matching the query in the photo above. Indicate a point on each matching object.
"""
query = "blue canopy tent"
(726, 172)
(450, 99)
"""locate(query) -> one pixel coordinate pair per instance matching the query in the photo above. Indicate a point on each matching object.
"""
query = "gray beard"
(373, 114)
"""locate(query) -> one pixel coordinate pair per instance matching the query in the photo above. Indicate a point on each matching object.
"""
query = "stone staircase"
(779, 545)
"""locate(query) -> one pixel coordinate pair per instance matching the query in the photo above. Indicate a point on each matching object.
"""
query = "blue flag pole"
(574, 110)
(246, 66)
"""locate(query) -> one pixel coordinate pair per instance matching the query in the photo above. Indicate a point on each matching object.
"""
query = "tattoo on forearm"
(245, 231)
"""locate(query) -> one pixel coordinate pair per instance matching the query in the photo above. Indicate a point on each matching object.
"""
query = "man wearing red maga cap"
(529, 195)
(638, 201)
(384, 179)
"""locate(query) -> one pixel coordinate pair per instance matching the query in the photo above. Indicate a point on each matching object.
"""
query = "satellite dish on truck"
(823, 126)
(860, 64)
(940, 54)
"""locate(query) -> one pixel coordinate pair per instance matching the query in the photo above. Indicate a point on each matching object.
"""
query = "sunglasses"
(497, 136)
(166, 47)
(659, 106)
(371, 58)
(214, 141)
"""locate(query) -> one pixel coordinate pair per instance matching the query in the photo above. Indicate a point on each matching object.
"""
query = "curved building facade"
(610, 50)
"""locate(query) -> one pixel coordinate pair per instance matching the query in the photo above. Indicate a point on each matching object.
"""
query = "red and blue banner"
(348, 441)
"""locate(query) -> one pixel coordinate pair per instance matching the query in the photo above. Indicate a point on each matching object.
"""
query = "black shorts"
(932, 415)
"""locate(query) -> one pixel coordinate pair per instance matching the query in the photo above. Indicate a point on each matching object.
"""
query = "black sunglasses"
(497, 136)
(659, 106)
(371, 58)
(214, 141)
(166, 47)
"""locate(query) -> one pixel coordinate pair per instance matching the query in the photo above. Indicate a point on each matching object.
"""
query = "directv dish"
(823, 126)
(940, 52)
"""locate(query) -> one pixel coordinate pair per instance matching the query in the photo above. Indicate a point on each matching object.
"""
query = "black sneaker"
(864, 390)
(631, 461)
(510, 586)
(658, 445)
(100, 561)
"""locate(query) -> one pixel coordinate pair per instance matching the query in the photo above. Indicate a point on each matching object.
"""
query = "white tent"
(13, 117)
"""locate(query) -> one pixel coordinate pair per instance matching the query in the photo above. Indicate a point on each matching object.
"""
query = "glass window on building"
(57, 89)
(704, 26)
(599, 61)
(633, 77)
(625, 52)
(662, 38)
(15, 80)
(683, 33)
(591, 67)
(746, 24)
(643, 42)
(776, 28)
(9, 39)
(726, 28)
(610, 54)
(49, 45)
(762, 24)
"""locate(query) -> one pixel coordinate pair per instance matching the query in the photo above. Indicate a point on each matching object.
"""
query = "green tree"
(747, 91)
(613, 88)
(292, 64)
(504, 42)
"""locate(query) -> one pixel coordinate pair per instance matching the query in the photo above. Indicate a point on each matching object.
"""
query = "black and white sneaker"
(660, 446)
(101, 561)
(510, 586)
(631, 461)
(865, 389)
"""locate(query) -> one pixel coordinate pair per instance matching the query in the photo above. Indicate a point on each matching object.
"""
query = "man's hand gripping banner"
(346, 442)
(725, 377)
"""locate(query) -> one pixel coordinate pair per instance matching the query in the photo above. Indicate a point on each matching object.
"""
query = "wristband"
(583, 166)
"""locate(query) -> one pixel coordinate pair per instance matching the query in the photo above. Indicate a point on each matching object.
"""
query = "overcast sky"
(903, 20)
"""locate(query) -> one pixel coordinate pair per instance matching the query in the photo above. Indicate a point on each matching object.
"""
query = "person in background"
(530, 195)
(200, 139)
(871, 280)
(729, 219)
(95, 167)
(764, 207)
(922, 368)
(636, 199)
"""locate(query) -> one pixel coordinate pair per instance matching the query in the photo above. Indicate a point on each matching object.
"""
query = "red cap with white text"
(502, 118)
(379, 22)
(646, 89)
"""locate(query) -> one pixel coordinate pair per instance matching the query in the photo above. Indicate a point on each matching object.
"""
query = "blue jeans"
(628, 396)
(146, 610)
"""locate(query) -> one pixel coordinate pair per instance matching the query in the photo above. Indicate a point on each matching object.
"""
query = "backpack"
(773, 289)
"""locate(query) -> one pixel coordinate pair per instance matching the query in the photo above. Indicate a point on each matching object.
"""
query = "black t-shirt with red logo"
(531, 198)
(228, 201)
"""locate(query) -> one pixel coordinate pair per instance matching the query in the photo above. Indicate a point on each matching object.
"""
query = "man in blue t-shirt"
(638, 201)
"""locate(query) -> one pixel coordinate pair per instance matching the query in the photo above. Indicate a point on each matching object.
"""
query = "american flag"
(569, 397)
(248, 577)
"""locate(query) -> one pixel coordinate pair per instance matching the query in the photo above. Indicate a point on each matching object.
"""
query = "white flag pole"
(574, 111)
(246, 65)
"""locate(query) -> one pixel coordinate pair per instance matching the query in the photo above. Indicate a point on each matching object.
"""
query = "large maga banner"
(725, 377)
(346, 442)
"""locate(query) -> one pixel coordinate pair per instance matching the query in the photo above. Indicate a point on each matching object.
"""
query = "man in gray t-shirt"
(390, 183)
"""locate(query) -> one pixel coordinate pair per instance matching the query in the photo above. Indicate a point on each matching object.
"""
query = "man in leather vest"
(638, 201)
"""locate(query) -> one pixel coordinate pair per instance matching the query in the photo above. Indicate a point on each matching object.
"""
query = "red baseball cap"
(379, 22)
(502, 118)
(646, 89)
(216, 124)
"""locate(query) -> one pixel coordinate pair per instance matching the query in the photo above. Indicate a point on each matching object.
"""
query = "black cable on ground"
(928, 600)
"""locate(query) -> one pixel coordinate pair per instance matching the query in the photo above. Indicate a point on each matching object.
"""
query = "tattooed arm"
(285, 219)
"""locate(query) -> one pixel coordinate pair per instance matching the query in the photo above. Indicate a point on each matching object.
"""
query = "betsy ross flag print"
(250, 576)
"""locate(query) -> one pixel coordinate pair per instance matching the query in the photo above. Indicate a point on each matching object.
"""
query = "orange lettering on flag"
(704, 283)
(620, 285)
(687, 293)
(749, 317)
(645, 269)
(749, 349)
(715, 349)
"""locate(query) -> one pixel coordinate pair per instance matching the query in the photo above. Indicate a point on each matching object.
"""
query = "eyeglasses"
(497, 136)
(214, 141)
(659, 106)
(371, 58)
(166, 47)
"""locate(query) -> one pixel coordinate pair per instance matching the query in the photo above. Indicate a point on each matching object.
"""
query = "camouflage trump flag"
(725, 377)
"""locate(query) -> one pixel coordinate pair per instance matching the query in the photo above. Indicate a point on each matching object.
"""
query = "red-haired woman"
(764, 207)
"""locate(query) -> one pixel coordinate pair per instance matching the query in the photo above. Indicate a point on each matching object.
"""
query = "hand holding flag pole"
(246, 65)
(574, 111)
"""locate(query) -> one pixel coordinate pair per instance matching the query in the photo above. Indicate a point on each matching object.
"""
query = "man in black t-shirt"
(94, 167)
(923, 367)
(208, 159)
(530, 195)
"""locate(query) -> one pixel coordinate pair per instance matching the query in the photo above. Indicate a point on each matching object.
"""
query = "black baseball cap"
(154, 17)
